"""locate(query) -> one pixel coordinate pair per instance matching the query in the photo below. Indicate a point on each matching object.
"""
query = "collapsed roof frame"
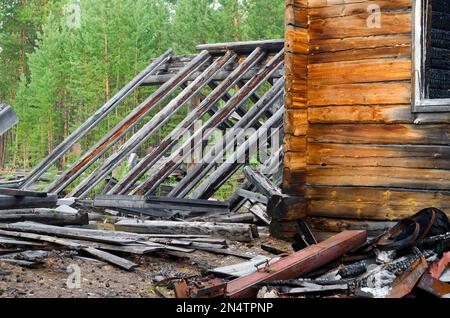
(243, 67)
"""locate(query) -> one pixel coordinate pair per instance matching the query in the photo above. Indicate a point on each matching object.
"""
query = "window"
(431, 84)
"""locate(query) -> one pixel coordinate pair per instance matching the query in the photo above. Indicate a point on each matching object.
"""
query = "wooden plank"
(398, 52)
(365, 71)
(389, 177)
(8, 202)
(373, 228)
(347, 44)
(296, 122)
(357, 25)
(243, 47)
(45, 216)
(330, 3)
(381, 134)
(22, 193)
(422, 157)
(360, 94)
(236, 232)
(341, 9)
(110, 258)
(81, 234)
(363, 114)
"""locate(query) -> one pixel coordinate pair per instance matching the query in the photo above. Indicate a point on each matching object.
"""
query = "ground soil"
(153, 278)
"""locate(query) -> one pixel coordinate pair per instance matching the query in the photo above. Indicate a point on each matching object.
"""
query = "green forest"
(61, 60)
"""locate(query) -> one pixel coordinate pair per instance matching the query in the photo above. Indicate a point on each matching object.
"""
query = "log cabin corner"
(367, 133)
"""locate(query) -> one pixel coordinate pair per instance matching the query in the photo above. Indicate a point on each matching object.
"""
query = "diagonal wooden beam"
(92, 121)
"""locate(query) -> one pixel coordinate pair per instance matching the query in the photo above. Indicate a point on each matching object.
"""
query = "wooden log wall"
(352, 147)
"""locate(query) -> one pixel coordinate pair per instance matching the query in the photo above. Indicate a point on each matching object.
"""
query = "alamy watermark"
(72, 14)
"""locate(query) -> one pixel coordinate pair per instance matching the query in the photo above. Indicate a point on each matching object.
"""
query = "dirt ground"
(152, 279)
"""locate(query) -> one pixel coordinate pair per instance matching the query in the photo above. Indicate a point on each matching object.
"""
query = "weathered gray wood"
(226, 252)
(22, 193)
(152, 126)
(8, 118)
(82, 234)
(243, 47)
(10, 241)
(210, 185)
(172, 139)
(121, 129)
(8, 202)
(253, 196)
(197, 173)
(312, 288)
(262, 183)
(45, 216)
(160, 203)
(137, 249)
(169, 247)
(220, 76)
(92, 122)
(260, 211)
(240, 218)
(236, 232)
(110, 258)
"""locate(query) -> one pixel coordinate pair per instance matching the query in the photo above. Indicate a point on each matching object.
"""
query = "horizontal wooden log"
(64, 232)
(373, 228)
(236, 232)
(9, 202)
(389, 177)
(296, 40)
(343, 8)
(363, 114)
(243, 47)
(397, 51)
(345, 45)
(381, 134)
(331, 3)
(365, 71)
(45, 216)
(296, 122)
(22, 193)
(357, 25)
(422, 157)
(360, 94)
(297, 16)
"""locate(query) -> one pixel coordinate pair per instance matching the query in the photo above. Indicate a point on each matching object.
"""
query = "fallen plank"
(45, 216)
(81, 234)
(11, 202)
(240, 218)
(137, 249)
(236, 232)
(22, 193)
(110, 258)
(18, 262)
(300, 263)
(225, 252)
(9, 241)
(169, 247)
(73, 245)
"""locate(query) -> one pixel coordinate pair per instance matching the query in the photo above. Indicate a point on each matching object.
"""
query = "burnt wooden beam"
(220, 76)
(8, 118)
(243, 47)
(11, 202)
(92, 122)
(152, 126)
(262, 183)
(147, 162)
(130, 121)
(206, 131)
(211, 184)
(45, 216)
(235, 232)
(160, 203)
(22, 193)
(223, 146)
